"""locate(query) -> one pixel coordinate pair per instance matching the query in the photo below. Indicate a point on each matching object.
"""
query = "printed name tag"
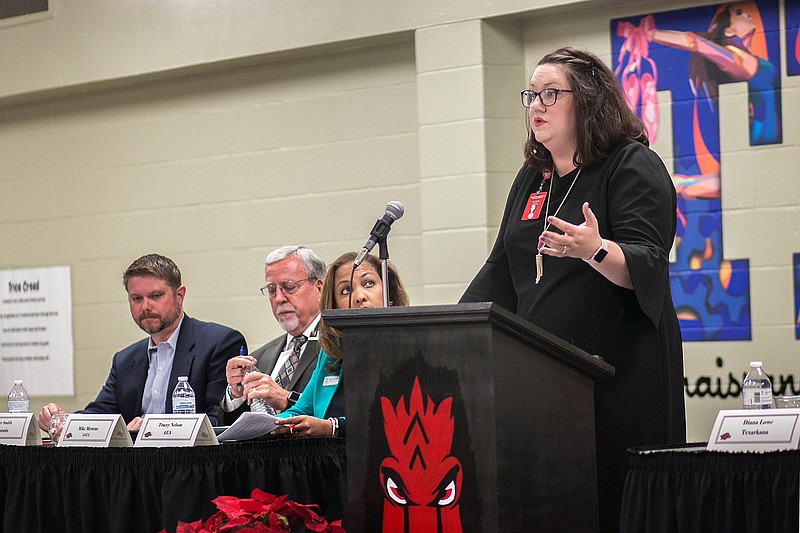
(534, 206)
(19, 429)
(330, 381)
(100, 431)
(751, 430)
(176, 430)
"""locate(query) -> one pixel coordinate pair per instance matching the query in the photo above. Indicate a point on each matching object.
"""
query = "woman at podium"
(583, 252)
(320, 410)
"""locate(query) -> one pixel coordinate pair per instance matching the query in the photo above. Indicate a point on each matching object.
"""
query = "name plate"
(19, 429)
(176, 430)
(99, 431)
(755, 430)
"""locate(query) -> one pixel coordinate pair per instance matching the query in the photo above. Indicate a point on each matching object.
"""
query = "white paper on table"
(249, 426)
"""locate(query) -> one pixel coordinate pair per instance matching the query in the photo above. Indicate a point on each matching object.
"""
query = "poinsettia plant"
(261, 513)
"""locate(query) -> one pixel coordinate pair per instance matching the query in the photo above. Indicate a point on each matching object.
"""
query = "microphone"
(394, 210)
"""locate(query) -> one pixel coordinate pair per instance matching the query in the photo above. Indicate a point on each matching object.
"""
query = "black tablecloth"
(674, 491)
(106, 490)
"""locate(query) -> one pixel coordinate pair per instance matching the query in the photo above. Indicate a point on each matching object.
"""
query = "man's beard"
(162, 323)
(288, 322)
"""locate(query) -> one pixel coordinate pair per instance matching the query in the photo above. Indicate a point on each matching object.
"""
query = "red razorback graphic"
(421, 481)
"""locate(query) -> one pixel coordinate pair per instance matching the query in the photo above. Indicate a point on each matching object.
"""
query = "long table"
(82, 490)
(691, 490)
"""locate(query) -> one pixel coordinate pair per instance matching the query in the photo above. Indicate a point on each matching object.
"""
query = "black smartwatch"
(293, 397)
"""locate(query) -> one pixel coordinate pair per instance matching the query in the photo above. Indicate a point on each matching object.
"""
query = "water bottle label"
(183, 406)
(19, 406)
(759, 398)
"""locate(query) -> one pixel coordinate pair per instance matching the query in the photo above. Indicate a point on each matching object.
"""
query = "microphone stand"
(384, 257)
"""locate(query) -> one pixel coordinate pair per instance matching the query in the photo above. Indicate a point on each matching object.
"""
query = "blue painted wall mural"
(691, 53)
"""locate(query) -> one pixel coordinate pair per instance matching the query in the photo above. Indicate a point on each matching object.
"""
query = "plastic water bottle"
(259, 405)
(183, 402)
(756, 388)
(18, 399)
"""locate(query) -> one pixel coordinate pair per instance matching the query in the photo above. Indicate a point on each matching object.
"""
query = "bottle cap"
(183, 378)
(754, 364)
(17, 382)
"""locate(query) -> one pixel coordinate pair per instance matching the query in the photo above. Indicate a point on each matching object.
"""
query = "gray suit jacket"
(266, 357)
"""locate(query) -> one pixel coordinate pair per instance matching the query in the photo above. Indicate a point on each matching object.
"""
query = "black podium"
(466, 417)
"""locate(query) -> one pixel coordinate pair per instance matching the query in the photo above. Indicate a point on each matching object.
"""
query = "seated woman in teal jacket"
(320, 410)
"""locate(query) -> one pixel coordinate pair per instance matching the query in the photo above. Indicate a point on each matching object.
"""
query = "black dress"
(636, 331)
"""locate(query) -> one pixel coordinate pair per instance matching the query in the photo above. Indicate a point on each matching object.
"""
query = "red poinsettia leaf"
(278, 504)
(335, 527)
(230, 505)
(263, 497)
(253, 507)
(304, 512)
(277, 522)
(214, 521)
(193, 527)
(242, 520)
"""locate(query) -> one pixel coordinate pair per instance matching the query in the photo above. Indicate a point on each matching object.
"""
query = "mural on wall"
(792, 17)
(691, 53)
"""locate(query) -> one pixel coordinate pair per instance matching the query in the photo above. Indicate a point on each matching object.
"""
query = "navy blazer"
(202, 351)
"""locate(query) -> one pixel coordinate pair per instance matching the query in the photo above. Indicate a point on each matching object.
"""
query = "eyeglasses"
(547, 97)
(287, 287)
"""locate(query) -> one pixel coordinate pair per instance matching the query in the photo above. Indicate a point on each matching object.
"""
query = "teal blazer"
(318, 393)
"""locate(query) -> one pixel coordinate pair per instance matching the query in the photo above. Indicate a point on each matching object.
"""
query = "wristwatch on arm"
(293, 397)
(600, 253)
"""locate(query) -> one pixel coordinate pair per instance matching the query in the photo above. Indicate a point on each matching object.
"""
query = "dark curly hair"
(602, 115)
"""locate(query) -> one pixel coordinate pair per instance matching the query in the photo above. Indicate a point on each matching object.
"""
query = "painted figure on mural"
(698, 50)
(792, 18)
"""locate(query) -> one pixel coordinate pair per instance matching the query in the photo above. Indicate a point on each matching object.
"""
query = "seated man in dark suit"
(294, 276)
(144, 374)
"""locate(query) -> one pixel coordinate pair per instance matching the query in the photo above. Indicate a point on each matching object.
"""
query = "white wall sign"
(36, 330)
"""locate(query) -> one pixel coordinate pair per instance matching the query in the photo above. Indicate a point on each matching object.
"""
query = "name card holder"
(19, 429)
(99, 431)
(755, 430)
(176, 430)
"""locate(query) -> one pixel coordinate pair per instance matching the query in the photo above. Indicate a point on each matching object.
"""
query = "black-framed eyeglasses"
(270, 290)
(547, 97)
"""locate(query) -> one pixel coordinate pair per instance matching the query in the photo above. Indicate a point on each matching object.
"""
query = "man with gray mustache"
(294, 276)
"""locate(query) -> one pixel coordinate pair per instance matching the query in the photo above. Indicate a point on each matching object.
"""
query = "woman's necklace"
(539, 260)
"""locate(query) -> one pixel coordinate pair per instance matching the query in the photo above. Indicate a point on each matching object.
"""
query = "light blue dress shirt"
(154, 399)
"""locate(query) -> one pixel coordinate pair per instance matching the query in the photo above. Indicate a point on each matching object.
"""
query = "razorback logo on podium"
(421, 480)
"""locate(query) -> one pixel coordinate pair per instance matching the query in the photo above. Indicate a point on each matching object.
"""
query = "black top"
(636, 331)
